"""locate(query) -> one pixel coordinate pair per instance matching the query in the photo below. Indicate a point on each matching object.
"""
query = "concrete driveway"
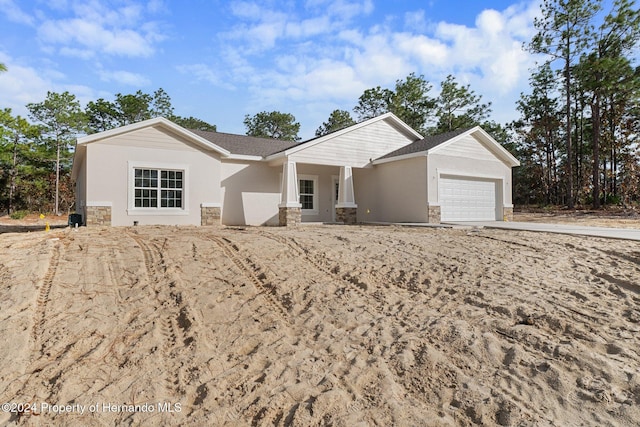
(612, 233)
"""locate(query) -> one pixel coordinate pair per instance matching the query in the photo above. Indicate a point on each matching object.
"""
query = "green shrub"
(18, 214)
(612, 199)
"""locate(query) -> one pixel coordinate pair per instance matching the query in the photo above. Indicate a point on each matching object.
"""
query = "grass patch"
(18, 214)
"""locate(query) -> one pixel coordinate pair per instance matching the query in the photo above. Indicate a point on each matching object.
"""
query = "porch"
(316, 193)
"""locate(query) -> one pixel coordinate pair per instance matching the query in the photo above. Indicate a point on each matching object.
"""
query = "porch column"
(289, 209)
(346, 209)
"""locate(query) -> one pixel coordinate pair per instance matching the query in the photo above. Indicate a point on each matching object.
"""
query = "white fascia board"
(161, 121)
(244, 157)
(305, 145)
(402, 157)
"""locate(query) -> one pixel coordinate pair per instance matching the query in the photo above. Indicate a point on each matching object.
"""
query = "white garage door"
(466, 199)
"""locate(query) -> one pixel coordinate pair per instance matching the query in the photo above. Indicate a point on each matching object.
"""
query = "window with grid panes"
(153, 184)
(306, 193)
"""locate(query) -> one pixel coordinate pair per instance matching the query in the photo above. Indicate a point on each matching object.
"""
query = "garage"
(462, 175)
(468, 199)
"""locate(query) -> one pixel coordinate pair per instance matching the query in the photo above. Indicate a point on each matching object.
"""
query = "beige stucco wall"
(366, 194)
(109, 164)
(402, 192)
(250, 192)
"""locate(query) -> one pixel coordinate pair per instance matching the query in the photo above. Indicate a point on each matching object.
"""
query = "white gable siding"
(467, 147)
(356, 148)
(151, 138)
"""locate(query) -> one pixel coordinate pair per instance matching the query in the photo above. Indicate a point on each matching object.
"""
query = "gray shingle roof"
(424, 144)
(245, 145)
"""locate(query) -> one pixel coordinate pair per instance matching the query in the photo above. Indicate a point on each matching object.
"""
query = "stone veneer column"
(289, 209)
(507, 213)
(433, 214)
(347, 215)
(98, 214)
(346, 208)
(210, 214)
(289, 216)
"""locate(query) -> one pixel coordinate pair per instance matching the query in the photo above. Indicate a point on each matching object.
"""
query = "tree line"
(457, 106)
(576, 138)
(36, 154)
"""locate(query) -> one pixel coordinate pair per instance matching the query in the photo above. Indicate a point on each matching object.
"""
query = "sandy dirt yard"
(318, 325)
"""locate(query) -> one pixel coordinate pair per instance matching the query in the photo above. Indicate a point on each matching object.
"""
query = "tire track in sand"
(156, 275)
(257, 275)
(351, 280)
(176, 321)
(39, 317)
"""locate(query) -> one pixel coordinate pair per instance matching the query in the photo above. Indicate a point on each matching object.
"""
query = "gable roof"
(432, 144)
(390, 118)
(424, 144)
(245, 145)
(160, 122)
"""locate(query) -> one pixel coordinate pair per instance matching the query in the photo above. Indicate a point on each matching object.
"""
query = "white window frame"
(316, 198)
(133, 210)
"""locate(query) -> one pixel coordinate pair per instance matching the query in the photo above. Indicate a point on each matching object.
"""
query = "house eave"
(244, 157)
(401, 157)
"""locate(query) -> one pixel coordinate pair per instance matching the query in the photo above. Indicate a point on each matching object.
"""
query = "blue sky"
(220, 60)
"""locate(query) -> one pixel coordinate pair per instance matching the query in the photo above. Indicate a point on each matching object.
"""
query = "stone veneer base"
(347, 215)
(98, 215)
(433, 215)
(289, 216)
(210, 215)
(507, 214)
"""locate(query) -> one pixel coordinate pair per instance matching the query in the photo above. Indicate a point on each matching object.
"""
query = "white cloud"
(326, 60)
(80, 34)
(205, 73)
(428, 52)
(308, 27)
(125, 78)
(263, 27)
(14, 13)
(415, 20)
(85, 54)
(22, 85)
(157, 6)
(247, 10)
(99, 29)
(348, 10)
